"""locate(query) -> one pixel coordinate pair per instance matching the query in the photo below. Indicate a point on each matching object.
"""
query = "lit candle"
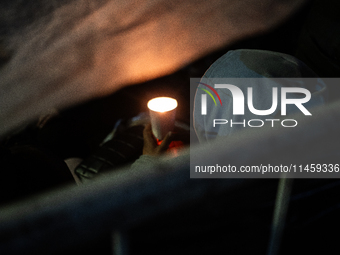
(162, 115)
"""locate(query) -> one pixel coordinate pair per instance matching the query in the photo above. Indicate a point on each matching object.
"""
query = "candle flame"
(162, 104)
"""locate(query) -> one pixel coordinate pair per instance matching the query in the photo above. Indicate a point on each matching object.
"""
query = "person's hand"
(150, 143)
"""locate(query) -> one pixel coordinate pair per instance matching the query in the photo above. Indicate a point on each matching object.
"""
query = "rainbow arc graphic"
(209, 93)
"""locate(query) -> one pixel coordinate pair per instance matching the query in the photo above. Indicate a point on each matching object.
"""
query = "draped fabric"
(66, 52)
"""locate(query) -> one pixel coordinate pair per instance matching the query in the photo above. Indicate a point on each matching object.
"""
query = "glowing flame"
(162, 104)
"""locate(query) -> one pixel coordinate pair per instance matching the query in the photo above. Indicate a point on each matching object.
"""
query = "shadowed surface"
(85, 49)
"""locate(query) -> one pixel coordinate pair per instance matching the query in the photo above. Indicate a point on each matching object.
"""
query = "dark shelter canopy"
(65, 52)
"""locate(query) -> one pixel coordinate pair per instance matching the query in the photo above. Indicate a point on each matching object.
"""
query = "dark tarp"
(77, 50)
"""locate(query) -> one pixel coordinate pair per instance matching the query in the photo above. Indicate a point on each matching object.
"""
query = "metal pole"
(280, 213)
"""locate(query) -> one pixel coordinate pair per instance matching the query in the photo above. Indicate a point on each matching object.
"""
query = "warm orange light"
(162, 104)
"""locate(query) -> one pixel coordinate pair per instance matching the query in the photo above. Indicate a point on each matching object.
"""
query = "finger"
(147, 132)
(148, 136)
(147, 128)
(166, 142)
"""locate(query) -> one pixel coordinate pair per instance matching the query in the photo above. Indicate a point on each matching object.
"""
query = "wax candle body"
(162, 115)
